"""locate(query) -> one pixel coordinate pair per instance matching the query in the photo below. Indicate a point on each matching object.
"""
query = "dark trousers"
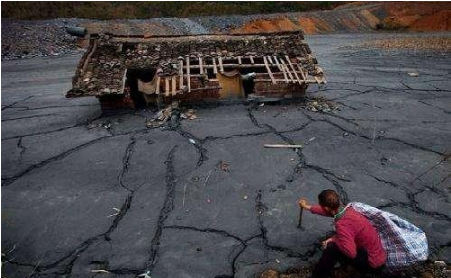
(332, 255)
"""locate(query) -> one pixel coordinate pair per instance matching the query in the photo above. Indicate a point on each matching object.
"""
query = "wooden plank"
(277, 62)
(174, 84)
(157, 87)
(269, 70)
(200, 66)
(166, 86)
(239, 60)
(215, 69)
(181, 75)
(284, 73)
(270, 60)
(304, 77)
(287, 70)
(188, 78)
(124, 80)
(252, 59)
(294, 70)
(221, 67)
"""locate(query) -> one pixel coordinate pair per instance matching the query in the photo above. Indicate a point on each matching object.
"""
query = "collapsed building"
(133, 71)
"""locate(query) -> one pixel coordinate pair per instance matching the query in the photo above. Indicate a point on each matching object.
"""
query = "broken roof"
(102, 69)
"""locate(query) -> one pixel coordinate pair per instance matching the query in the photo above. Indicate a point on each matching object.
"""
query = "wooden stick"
(239, 60)
(277, 62)
(287, 70)
(188, 78)
(269, 60)
(300, 218)
(282, 146)
(302, 72)
(269, 70)
(252, 59)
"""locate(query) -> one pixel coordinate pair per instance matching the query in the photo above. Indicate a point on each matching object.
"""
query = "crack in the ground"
(126, 162)
(166, 209)
(16, 102)
(29, 117)
(22, 148)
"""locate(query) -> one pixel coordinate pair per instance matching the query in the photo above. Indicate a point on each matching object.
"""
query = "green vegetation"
(127, 10)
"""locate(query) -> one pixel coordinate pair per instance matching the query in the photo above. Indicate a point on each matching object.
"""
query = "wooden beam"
(284, 73)
(304, 77)
(294, 70)
(269, 60)
(239, 60)
(252, 59)
(200, 66)
(124, 79)
(188, 78)
(277, 62)
(157, 86)
(174, 84)
(269, 70)
(215, 69)
(181, 75)
(166, 86)
(221, 67)
(287, 70)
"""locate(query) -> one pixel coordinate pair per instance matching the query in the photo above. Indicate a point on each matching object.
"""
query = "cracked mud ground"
(77, 197)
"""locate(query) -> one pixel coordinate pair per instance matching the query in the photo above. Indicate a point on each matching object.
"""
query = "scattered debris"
(184, 195)
(99, 271)
(192, 141)
(224, 166)
(206, 180)
(245, 197)
(320, 104)
(413, 74)
(208, 201)
(170, 113)
(311, 139)
(345, 134)
(118, 211)
(145, 274)
(195, 178)
(199, 249)
(282, 146)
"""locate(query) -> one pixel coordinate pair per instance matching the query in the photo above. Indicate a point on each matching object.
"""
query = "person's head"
(330, 201)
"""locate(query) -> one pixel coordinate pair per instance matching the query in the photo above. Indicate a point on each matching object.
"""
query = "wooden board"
(294, 70)
(188, 78)
(269, 70)
(181, 75)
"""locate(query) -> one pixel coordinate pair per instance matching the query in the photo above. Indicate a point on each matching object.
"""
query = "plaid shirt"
(404, 243)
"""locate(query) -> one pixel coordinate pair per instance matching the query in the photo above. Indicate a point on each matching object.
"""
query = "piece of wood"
(282, 146)
(174, 85)
(300, 218)
(277, 62)
(269, 70)
(166, 86)
(200, 66)
(284, 73)
(269, 60)
(124, 80)
(304, 77)
(287, 70)
(221, 67)
(215, 68)
(252, 59)
(188, 78)
(239, 60)
(157, 86)
(181, 75)
(294, 70)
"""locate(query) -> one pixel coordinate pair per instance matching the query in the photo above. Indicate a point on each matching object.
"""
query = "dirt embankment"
(361, 17)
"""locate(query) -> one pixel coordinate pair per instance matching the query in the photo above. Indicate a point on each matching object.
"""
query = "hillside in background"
(142, 10)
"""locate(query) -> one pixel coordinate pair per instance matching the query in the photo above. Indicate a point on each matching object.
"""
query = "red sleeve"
(316, 209)
(345, 241)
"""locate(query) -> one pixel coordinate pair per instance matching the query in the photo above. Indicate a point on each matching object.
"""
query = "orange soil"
(268, 25)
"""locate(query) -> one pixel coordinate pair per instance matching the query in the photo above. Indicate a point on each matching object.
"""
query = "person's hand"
(327, 241)
(304, 204)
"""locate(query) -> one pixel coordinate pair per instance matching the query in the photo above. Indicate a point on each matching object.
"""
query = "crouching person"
(356, 241)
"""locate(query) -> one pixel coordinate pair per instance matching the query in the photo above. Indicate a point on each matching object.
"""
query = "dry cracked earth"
(82, 200)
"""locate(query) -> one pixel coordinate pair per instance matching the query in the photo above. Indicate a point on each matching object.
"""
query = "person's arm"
(315, 209)
(345, 241)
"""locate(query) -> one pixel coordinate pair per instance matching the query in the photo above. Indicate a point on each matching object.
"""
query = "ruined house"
(132, 71)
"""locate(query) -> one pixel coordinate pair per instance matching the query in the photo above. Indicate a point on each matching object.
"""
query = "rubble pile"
(319, 104)
(40, 38)
(171, 113)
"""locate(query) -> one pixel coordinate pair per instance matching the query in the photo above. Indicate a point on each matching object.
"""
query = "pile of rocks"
(39, 38)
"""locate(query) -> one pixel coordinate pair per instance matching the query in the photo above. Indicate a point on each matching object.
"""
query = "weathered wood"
(252, 59)
(269, 60)
(124, 80)
(181, 75)
(200, 66)
(215, 68)
(188, 78)
(277, 62)
(157, 86)
(282, 146)
(174, 84)
(166, 86)
(221, 67)
(288, 71)
(269, 70)
(239, 60)
(304, 77)
(294, 70)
